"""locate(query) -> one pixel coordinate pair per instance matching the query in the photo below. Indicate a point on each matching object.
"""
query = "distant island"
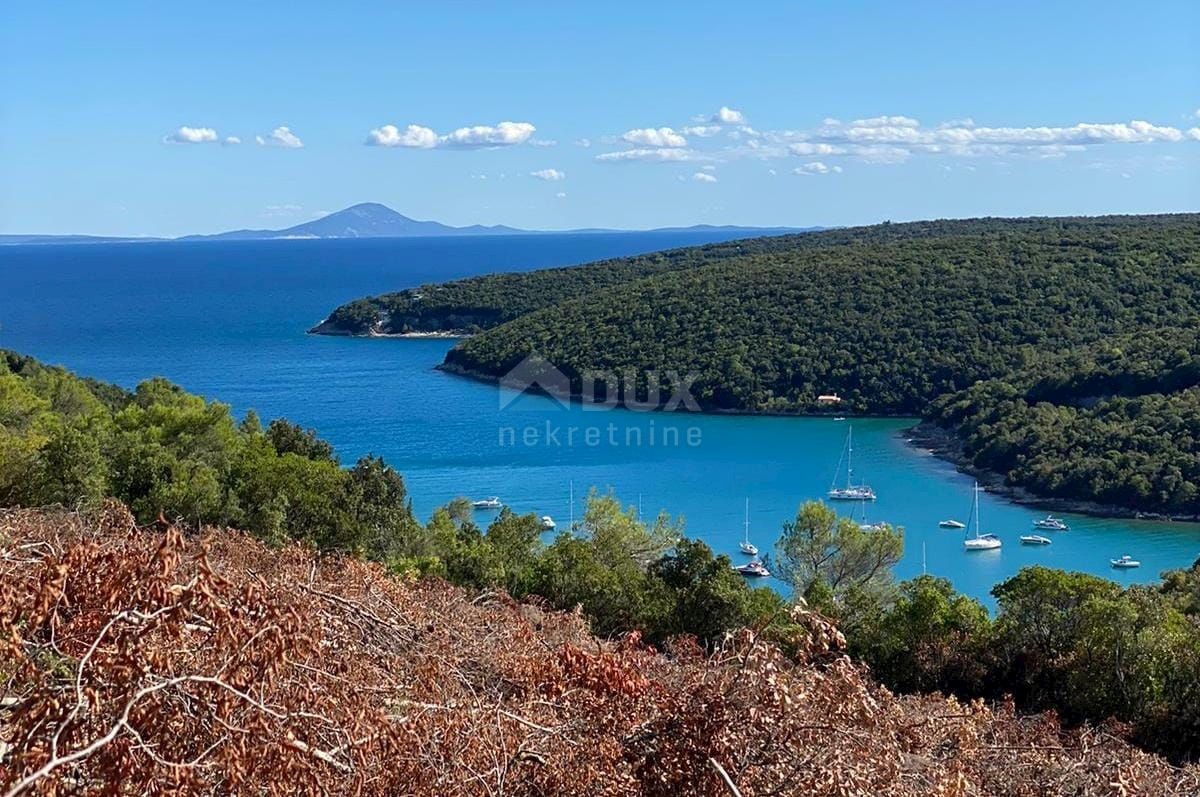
(1058, 354)
(373, 220)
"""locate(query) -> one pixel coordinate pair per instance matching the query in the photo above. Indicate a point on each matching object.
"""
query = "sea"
(228, 320)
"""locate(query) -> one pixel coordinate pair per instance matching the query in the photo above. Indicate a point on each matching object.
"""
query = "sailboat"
(747, 547)
(980, 542)
(852, 491)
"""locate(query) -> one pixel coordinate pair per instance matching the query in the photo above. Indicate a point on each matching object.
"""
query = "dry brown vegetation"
(147, 661)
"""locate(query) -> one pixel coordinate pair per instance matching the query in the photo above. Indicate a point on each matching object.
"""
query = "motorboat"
(754, 569)
(1034, 539)
(952, 524)
(980, 542)
(1125, 562)
(852, 491)
(548, 523)
(487, 503)
(1050, 522)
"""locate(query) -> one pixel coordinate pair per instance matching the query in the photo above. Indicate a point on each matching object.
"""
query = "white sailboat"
(852, 491)
(980, 542)
(747, 547)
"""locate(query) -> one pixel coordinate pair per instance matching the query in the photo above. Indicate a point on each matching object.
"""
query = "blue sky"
(116, 118)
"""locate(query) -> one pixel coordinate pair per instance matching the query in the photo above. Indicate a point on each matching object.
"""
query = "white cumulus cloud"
(701, 131)
(654, 137)
(504, 134)
(281, 136)
(191, 135)
(231, 141)
(704, 177)
(549, 175)
(413, 136)
(728, 116)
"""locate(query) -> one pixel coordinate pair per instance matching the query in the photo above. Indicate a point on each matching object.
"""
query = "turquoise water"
(227, 320)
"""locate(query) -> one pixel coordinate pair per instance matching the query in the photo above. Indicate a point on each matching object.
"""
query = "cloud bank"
(504, 134)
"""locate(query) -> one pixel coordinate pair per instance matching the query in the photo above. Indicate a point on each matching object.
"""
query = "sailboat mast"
(976, 510)
(849, 457)
(746, 523)
(572, 502)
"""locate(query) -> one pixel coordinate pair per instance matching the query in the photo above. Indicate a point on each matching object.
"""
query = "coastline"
(325, 329)
(945, 445)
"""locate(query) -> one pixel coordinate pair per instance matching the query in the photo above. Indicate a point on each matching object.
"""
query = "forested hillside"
(1116, 422)
(478, 303)
(889, 323)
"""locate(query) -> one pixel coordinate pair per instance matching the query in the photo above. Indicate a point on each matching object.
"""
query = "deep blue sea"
(228, 320)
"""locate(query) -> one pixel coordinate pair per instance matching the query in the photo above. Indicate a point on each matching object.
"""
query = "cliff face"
(213, 664)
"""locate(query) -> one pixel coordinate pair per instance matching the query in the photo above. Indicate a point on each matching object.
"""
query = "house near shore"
(829, 399)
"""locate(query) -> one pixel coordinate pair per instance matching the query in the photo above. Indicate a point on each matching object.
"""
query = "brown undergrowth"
(149, 661)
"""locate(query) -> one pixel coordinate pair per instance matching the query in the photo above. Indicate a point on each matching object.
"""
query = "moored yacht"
(1052, 523)
(1125, 562)
(980, 542)
(753, 569)
(852, 491)
(548, 523)
(1034, 539)
(952, 524)
(492, 502)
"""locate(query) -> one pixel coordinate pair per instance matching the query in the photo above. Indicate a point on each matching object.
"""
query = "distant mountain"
(365, 220)
(373, 220)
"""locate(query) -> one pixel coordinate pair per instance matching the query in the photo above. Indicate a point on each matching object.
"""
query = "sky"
(165, 119)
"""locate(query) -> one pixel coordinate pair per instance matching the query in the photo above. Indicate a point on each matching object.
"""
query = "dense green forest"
(1116, 422)
(888, 326)
(1071, 642)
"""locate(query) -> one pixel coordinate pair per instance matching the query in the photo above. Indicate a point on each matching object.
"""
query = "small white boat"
(1125, 562)
(1034, 539)
(952, 524)
(755, 569)
(839, 417)
(1052, 523)
(487, 503)
(980, 542)
(745, 546)
(548, 523)
(852, 491)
